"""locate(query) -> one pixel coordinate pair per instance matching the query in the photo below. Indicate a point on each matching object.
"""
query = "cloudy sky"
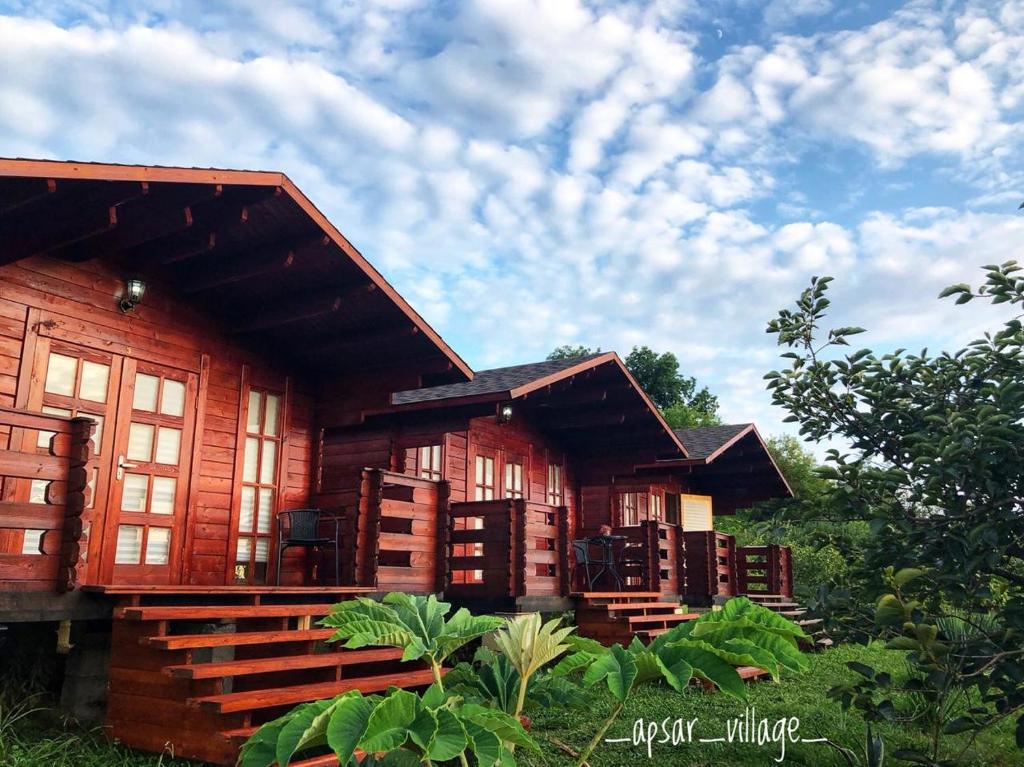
(533, 173)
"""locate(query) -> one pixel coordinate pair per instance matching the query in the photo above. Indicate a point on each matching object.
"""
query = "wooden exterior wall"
(43, 301)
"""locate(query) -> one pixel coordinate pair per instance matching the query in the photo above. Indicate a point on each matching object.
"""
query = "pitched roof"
(495, 381)
(703, 442)
(287, 215)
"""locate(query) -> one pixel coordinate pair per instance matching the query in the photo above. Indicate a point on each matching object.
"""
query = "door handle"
(121, 466)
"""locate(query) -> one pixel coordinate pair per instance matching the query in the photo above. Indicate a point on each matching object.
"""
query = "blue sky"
(530, 174)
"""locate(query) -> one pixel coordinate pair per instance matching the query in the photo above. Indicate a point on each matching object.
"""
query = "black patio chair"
(582, 550)
(303, 531)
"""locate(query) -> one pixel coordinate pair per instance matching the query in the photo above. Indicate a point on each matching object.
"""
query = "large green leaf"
(388, 725)
(449, 739)
(506, 727)
(529, 645)
(782, 647)
(306, 727)
(711, 668)
(347, 725)
(674, 667)
(617, 667)
(484, 744)
(741, 611)
(423, 728)
(759, 656)
(260, 750)
(574, 662)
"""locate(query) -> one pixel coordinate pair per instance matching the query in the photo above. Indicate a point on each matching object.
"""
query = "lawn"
(41, 739)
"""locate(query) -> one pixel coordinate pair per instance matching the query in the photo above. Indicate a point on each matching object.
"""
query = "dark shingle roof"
(492, 381)
(702, 441)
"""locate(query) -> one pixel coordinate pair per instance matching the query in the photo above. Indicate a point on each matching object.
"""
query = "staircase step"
(626, 606)
(221, 612)
(218, 670)
(617, 594)
(809, 622)
(252, 700)
(188, 641)
(791, 613)
(664, 618)
(762, 597)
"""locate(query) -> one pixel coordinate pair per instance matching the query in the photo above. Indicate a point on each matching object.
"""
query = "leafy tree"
(936, 468)
(677, 397)
(569, 352)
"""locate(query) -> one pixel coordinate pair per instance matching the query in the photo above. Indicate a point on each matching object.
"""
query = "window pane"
(97, 431)
(163, 495)
(265, 507)
(158, 546)
(129, 545)
(270, 423)
(489, 472)
(268, 464)
(145, 392)
(136, 489)
(252, 421)
(92, 488)
(479, 469)
(243, 550)
(94, 381)
(60, 375)
(168, 445)
(44, 437)
(245, 517)
(38, 491)
(32, 545)
(262, 549)
(140, 442)
(252, 451)
(172, 400)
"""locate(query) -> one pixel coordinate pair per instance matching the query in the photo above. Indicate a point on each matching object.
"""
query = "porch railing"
(653, 558)
(44, 504)
(710, 565)
(507, 548)
(764, 570)
(392, 539)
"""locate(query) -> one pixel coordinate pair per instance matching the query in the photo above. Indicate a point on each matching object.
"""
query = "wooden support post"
(76, 503)
(562, 544)
(444, 523)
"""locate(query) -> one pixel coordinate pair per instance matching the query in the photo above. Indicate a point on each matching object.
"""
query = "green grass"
(801, 696)
(34, 736)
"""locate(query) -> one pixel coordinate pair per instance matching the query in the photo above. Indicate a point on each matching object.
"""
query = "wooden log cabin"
(185, 353)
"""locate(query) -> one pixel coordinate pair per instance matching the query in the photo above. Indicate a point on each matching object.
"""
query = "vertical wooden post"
(369, 535)
(517, 527)
(562, 544)
(443, 522)
(772, 569)
(76, 503)
(680, 560)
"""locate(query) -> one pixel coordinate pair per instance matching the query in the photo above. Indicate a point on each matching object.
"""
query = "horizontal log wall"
(77, 304)
(43, 536)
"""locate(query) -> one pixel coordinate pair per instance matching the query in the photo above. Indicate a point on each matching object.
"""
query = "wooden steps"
(289, 696)
(221, 613)
(785, 605)
(617, 616)
(197, 671)
(236, 668)
(192, 641)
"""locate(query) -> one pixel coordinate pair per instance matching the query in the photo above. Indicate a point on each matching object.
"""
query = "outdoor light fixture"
(134, 289)
(504, 414)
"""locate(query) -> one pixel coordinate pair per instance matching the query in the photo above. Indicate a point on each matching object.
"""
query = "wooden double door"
(145, 427)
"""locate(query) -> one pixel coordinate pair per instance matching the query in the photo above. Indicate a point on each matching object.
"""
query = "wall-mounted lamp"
(134, 290)
(504, 413)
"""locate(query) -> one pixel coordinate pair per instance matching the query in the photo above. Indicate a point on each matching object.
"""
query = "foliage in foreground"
(476, 718)
(937, 471)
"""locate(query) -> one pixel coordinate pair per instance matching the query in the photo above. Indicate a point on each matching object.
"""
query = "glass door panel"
(152, 447)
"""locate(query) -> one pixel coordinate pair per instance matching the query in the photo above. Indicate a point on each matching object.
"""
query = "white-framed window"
(514, 478)
(428, 459)
(630, 509)
(484, 484)
(556, 490)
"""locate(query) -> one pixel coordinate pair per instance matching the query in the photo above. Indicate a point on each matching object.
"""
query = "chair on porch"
(604, 563)
(301, 528)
